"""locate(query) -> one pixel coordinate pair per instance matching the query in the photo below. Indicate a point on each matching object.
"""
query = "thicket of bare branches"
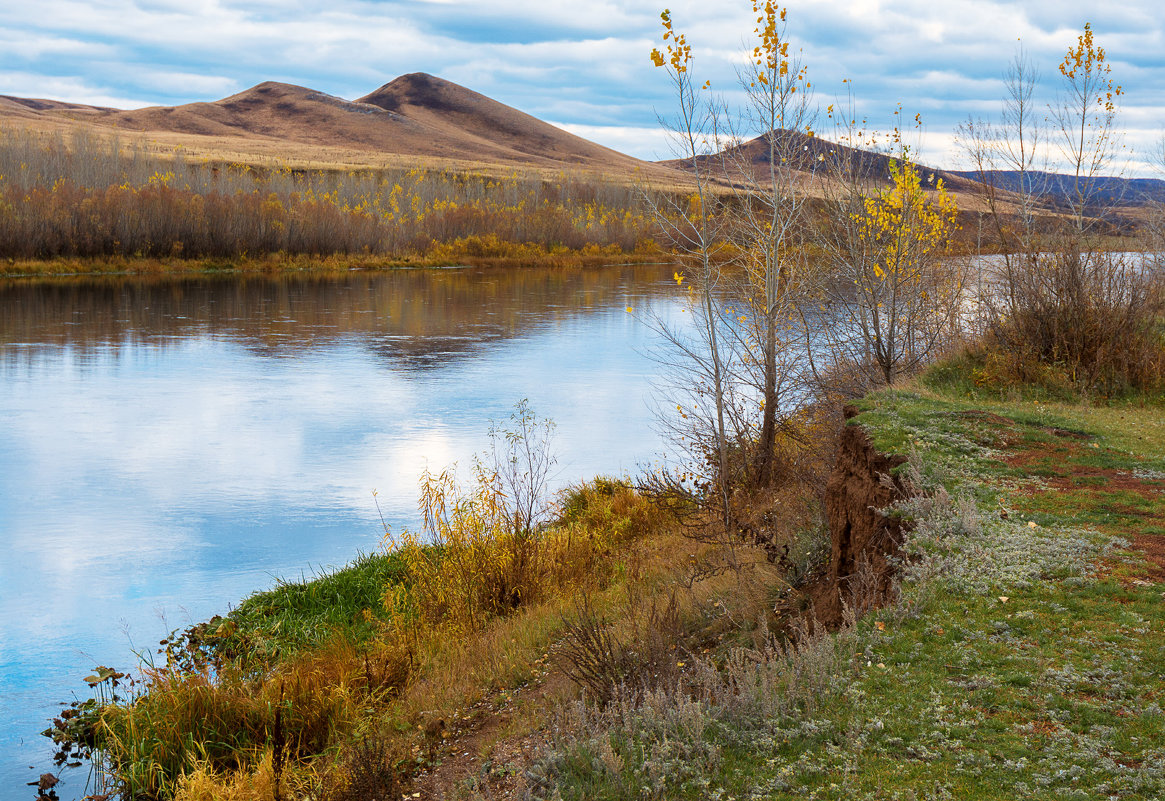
(1056, 296)
(90, 197)
(785, 292)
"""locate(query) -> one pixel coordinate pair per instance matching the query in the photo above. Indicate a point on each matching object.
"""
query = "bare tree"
(770, 178)
(694, 228)
(1012, 153)
(521, 457)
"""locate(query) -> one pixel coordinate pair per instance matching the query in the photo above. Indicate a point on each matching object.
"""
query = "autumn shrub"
(1073, 324)
(605, 504)
(203, 782)
(89, 197)
(467, 565)
(186, 721)
(1092, 315)
(264, 702)
(470, 563)
(369, 769)
(608, 661)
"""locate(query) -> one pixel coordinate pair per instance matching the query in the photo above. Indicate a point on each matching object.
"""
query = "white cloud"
(642, 142)
(579, 64)
(31, 46)
(70, 89)
(192, 83)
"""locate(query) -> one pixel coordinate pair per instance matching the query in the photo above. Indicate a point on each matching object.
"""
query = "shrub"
(1090, 315)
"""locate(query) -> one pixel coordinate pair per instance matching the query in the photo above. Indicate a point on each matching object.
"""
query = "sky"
(581, 65)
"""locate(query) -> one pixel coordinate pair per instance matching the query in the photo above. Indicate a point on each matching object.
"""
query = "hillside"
(816, 159)
(808, 154)
(414, 118)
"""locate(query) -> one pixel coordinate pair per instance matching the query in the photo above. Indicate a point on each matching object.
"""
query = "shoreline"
(282, 264)
(910, 631)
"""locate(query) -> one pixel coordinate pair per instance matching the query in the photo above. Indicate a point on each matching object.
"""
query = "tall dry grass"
(352, 714)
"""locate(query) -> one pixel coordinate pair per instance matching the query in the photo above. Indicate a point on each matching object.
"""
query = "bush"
(1092, 316)
(607, 664)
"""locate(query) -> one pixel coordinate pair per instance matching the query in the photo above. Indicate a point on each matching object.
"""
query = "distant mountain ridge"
(1057, 187)
(415, 115)
(807, 154)
(419, 117)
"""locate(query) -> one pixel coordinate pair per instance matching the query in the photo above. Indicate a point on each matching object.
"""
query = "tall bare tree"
(770, 178)
(694, 228)
(1010, 163)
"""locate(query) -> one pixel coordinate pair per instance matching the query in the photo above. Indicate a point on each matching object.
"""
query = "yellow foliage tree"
(1085, 117)
(694, 229)
(905, 296)
(770, 218)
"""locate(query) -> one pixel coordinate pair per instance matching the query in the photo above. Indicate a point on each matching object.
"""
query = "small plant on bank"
(479, 554)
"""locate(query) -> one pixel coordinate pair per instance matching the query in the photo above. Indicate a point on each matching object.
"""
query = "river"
(170, 445)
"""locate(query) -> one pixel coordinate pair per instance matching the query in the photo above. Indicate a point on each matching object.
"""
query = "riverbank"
(172, 444)
(1016, 652)
(457, 254)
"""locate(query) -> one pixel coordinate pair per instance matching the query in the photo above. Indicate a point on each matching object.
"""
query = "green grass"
(1026, 659)
(295, 616)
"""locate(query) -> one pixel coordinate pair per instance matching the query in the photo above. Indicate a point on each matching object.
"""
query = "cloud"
(72, 89)
(188, 82)
(579, 64)
(641, 142)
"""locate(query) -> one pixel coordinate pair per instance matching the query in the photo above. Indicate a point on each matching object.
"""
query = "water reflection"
(413, 318)
(169, 446)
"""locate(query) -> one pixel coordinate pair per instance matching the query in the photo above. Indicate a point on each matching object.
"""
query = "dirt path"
(493, 745)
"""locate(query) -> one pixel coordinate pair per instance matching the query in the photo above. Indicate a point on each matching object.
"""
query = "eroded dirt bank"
(864, 539)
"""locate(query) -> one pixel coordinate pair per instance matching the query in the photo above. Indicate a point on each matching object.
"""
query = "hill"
(813, 157)
(414, 118)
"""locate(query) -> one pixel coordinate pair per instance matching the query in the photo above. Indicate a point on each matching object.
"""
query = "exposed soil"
(1096, 485)
(861, 485)
(1153, 548)
(483, 752)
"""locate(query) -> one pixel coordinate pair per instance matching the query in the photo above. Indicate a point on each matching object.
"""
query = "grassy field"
(1024, 659)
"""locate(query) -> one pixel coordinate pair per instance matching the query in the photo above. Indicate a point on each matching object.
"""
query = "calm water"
(168, 447)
